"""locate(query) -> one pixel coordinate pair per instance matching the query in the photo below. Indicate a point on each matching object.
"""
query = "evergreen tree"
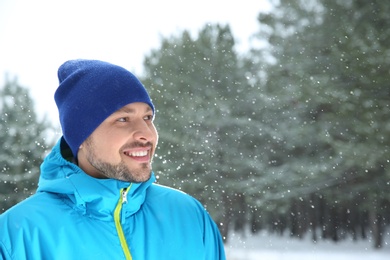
(329, 101)
(23, 144)
(199, 92)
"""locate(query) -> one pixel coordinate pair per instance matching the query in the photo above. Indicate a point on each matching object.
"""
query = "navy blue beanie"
(89, 92)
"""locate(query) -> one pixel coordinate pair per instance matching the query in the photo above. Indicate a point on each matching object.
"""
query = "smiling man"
(96, 197)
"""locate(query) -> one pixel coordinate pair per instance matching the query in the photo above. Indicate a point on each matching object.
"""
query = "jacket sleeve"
(212, 239)
(3, 252)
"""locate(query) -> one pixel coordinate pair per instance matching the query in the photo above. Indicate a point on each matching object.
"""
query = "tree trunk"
(377, 228)
(227, 217)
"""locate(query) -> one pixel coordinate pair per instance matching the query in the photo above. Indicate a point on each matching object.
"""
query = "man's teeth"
(138, 154)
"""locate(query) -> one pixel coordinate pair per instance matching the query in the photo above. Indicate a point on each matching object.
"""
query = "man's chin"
(138, 178)
(141, 180)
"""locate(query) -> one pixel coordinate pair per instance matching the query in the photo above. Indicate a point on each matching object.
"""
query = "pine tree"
(200, 93)
(23, 144)
(329, 101)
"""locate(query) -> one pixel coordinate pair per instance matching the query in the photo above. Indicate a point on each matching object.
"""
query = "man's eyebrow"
(131, 110)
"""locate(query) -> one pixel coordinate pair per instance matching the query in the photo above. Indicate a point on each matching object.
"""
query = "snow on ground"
(264, 246)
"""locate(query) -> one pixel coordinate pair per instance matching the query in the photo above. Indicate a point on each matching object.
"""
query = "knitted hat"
(89, 92)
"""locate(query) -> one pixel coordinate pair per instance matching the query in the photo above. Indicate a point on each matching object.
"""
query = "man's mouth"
(139, 152)
(136, 153)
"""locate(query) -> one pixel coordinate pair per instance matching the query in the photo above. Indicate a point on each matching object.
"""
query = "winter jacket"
(75, 216)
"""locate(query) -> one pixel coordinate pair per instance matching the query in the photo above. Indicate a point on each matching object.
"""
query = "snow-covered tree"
(23, 144)
(328, 83)
(200, 94)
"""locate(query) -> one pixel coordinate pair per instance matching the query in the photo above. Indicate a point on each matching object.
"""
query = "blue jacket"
(75, 216)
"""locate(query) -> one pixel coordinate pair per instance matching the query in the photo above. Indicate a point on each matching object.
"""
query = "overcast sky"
(37, 36)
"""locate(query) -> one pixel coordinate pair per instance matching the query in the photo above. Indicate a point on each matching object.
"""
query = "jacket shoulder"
(166, 194)
(167, 198)
(42, 208)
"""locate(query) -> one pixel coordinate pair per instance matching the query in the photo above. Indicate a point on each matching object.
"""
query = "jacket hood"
(90, 196)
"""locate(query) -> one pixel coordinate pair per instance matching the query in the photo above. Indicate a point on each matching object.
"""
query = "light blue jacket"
(75, 216)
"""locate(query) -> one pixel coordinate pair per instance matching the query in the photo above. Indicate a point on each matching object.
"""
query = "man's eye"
(149, 117)
(122, 119)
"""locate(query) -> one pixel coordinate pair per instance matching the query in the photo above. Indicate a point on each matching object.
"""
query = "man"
(96, 197)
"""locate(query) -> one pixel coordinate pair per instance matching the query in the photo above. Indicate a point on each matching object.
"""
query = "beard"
(118, 171)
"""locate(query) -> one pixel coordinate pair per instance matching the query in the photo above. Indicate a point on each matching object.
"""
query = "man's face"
(123, 145)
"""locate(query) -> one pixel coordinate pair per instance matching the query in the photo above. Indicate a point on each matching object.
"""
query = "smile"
(137, 153)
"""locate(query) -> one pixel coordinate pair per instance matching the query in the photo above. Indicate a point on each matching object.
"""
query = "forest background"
(291, 137)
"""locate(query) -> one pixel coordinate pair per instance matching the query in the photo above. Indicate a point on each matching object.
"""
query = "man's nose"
(143, 131)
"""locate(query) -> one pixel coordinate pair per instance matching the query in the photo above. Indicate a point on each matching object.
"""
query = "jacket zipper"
(118, 225)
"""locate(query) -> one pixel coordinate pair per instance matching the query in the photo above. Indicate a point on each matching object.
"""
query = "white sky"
(37, 36)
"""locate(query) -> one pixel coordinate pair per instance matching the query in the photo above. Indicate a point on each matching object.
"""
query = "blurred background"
(274, 114)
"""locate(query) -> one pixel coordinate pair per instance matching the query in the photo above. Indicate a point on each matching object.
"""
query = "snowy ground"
(263, 246)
